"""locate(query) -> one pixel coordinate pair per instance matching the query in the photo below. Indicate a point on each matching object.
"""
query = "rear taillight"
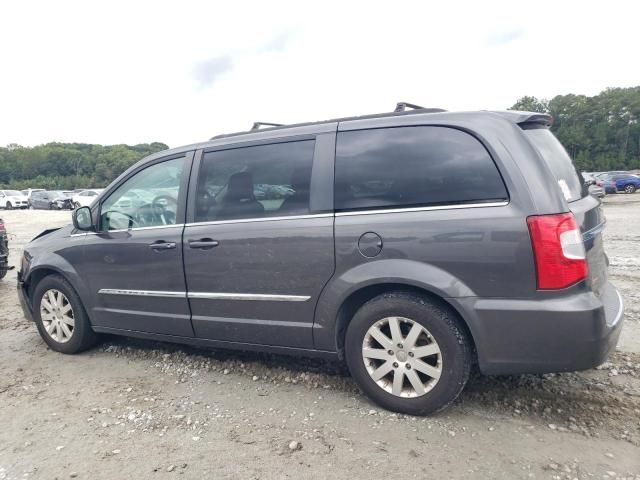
(558, 250)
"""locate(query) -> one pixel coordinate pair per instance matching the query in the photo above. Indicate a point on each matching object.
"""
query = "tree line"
(68, 165)
(600, 132)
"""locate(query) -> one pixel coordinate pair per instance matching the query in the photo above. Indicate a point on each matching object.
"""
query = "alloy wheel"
(402, 357)
(57, 315)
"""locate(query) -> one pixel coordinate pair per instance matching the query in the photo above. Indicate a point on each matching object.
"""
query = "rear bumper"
(24, 299)
(540, 336)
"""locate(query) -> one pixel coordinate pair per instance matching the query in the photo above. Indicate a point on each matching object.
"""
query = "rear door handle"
(203, 243)
(160, 245)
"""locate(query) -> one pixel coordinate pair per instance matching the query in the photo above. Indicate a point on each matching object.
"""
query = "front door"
(257, 253)
(133, 264)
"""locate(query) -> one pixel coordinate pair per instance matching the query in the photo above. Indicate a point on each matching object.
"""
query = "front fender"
(53, 263)
(390, 271)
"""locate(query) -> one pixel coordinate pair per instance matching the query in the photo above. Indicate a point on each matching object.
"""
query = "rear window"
(558, 161)
(411, 167)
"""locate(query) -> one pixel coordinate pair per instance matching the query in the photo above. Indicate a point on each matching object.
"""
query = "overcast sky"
(180, 72)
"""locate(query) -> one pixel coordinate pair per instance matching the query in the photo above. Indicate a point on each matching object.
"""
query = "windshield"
(558, 161)
(59, 194)
(12, 193)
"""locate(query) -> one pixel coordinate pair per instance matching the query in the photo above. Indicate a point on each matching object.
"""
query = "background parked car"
(621, 183)
(51, 200)
(13, 199)
(28, 193)
(4, 250)
(84, 198)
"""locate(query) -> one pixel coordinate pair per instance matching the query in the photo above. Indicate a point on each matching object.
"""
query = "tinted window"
(413, 166)
(559, 162)
(147, 199)
(253, 182)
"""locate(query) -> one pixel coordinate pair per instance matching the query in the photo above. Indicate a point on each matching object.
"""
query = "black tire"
(83, 336)
(3, 271)
(630, 189)
(445, 328)
(8, 206)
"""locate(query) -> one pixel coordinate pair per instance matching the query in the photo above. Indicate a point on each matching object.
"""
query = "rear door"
(133, 264)
(258, 248)
(586, 208)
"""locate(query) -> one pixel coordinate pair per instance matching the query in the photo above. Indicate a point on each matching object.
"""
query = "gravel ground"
(140, 409)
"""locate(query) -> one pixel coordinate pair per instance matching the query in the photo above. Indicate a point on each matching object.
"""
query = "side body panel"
(261, 283)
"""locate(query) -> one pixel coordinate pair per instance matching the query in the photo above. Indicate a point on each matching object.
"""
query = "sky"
(133, 72)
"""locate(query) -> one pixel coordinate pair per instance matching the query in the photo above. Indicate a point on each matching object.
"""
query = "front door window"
(147, 199)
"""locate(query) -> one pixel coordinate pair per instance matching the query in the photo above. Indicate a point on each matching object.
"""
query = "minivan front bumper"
(515, 336)
(24, 299)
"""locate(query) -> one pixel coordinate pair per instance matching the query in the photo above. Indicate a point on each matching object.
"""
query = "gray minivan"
(411, 245)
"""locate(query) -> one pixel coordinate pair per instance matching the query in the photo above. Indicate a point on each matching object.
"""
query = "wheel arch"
(356, 299)
(39, 272)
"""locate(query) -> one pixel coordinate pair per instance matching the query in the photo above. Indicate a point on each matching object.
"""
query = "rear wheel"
(407, 353)
(629, 189)
(60, 316)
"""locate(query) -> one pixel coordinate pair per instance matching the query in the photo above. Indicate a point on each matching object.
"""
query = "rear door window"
(558, 161)
(253, 182)
(413, 167)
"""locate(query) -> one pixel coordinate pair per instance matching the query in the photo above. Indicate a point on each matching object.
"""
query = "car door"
(38, 200)
(258, 248)
(133, 263)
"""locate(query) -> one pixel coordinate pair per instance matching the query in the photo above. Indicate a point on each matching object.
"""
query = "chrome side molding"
(249, 296)
(261, 297)
(142, 293)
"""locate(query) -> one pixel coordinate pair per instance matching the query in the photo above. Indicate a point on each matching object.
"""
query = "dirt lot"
(135, 409)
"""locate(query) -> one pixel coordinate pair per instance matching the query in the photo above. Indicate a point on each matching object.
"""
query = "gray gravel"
(139, 409)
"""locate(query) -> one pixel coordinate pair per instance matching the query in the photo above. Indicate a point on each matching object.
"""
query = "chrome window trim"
(142, 293)
(315, 215)
(155, 227)
(248, 297)
(259, 219)
(421, 209)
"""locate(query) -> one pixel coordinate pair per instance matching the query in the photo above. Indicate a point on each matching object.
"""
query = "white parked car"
(86, 197)
(13, 199)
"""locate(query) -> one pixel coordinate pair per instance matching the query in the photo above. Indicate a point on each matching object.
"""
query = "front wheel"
(60, 316)
(408, 353)
(9, 206)
(629, 189)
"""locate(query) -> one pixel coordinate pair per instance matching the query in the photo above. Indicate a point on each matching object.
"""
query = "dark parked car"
(626, 183)
(411, 245)
(51, 200)
(4, 250)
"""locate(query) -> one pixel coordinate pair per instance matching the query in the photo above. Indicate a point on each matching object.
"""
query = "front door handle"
(203, 243)
(161, 245)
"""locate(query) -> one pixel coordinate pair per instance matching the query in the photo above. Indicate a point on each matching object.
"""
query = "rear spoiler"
(526, 119)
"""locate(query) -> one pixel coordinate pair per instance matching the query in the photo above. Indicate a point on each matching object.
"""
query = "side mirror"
(82, 219)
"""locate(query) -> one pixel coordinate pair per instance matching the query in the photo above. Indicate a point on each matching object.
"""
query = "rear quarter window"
(558, 161)
(412, 167)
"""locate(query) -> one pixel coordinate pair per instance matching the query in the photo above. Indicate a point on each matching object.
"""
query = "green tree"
(68, 165)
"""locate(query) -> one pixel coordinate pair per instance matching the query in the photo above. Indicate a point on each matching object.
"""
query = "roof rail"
(257, 125)
(400, 111)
